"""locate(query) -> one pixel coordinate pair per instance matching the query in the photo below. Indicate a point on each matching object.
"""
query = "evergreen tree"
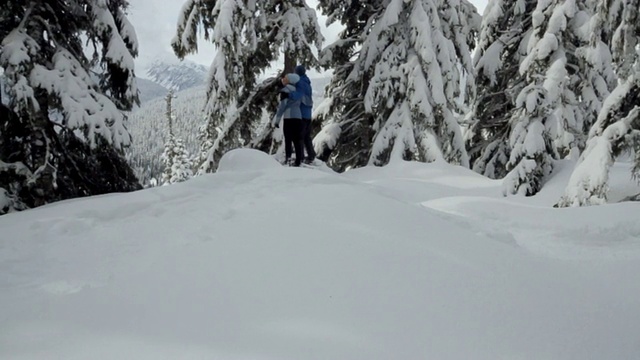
(502, 46)
(177, 163)
(347, 133)
(582, 84)
(62, 129)
(617, 129)
(413, 59)
(249, 36)
(205, 143)
(549, 121)
(594, 77)
(622, 18)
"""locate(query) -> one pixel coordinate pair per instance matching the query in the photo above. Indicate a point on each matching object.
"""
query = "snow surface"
(260, 261)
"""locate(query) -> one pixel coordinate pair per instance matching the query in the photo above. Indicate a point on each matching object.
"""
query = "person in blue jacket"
(306, 106)
(289, 109)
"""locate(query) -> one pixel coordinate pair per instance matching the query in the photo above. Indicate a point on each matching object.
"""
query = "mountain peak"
(174, 74)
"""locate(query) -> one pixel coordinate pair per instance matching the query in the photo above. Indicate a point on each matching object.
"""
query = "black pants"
(292, 130)
(306, 139)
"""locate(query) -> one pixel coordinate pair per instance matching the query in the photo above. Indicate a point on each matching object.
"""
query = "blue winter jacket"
(304, 86)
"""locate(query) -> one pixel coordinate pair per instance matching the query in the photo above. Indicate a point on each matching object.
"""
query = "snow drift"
(259, 261)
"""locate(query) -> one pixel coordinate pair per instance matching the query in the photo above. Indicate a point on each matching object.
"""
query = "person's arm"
(296, 94)
(281, 109)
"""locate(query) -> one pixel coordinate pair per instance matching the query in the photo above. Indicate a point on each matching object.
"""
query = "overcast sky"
(155, 24)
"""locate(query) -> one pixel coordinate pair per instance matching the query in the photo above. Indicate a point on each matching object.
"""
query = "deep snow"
(259, 261)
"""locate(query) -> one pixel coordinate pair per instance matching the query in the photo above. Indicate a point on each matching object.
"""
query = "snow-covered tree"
(347, 132)
(617, 129)
(249, 35)
(176, 160)
(205, 142)
(621, 17)
(577, 89)
(62, 128)
(594, 77)
(502, 46)
(413, 58)
(549, 119)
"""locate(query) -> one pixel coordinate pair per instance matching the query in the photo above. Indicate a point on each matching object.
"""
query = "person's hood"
(301, 70)
(293, 78)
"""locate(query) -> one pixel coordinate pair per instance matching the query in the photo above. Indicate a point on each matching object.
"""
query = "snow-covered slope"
(149, 130)
(150, 90)
(259, 261)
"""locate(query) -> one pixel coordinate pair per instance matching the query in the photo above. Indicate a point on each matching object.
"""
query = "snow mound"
(247, 160)
(410, 261)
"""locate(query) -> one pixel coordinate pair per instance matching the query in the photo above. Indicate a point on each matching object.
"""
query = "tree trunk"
(289, 63)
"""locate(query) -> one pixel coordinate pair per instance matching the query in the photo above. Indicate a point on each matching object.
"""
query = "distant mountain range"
(175, 75)
(166, 73)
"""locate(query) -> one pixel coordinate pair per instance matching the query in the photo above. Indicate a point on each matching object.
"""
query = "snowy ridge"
(150, 90)
(260, 261)
(177, 75)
